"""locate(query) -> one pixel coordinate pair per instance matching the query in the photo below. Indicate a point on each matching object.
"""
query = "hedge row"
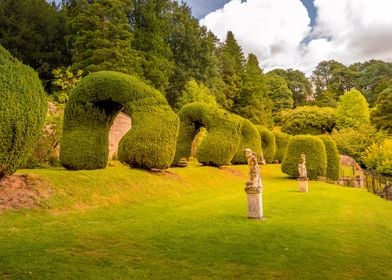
(23, 107)
(90, 112)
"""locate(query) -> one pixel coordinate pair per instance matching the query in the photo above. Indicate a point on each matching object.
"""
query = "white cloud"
(346, 30)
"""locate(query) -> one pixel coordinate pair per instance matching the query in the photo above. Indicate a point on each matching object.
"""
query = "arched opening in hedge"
(219, 145)
(90, 112)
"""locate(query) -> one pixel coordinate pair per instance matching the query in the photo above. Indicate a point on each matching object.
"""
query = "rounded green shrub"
(23, 107)
(90, 112)
(221, 142)
(333, 159)
(309, 120)
(282, 141)
(267, 143)
(314, 150)
(250, 138)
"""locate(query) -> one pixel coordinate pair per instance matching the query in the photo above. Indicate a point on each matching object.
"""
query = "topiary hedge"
(316, 156)
(333, 159)
(267, 143)
(250, 138)
(309, 120)
(23, 107)
(90, 112)
(282, 141)
(221, 142)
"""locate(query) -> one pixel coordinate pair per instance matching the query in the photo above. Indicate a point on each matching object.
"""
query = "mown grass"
(190, 223)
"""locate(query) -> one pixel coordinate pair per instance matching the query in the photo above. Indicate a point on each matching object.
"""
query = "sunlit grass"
(191, 223)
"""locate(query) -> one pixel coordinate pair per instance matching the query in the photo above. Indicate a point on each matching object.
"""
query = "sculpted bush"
(267, 143)
(23, 106)
(221, 142)
(333, 159)
(250, 139)
(90, 112)
(282, 141)
(314, 150)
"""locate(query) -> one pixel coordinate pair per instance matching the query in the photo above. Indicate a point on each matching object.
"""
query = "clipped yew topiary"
(23, 107)
(221, 142)
(282, 141)
(333, 159)
(90, 112)
(314, 150)
(250, 138)
(267, 143)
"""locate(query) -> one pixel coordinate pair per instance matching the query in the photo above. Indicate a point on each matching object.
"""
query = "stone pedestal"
(303, 184)
(255, 203)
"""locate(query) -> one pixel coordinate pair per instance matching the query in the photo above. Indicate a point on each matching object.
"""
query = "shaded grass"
(191, 223)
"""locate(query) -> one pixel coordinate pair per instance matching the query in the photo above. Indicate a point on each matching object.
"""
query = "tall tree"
(193, 50)
(297, 82)
(323, 76)
(231, 59)
(352, 110)
(279, 93)
(150, 24)
(33, 31)
(100, 36)
(373, 77)
(253, 102)
(381, 115)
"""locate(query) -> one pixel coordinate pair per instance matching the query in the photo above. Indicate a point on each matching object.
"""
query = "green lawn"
(191, 223)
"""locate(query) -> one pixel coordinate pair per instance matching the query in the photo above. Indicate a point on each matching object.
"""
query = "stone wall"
(121, 124)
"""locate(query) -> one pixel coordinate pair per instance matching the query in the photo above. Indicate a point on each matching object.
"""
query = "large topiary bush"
(333, 159)
(309, 120)
(221, 142)
(282, 141)
(316, 156)
(90, 112)
(267, 143)
(22, 112)
(250, 138)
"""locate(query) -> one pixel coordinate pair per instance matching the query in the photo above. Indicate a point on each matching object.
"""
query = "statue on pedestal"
(254, 187)
(254, 178)
(303, 175)
(302, 167)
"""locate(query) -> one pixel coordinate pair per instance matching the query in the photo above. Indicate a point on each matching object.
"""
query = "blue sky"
(301, 33)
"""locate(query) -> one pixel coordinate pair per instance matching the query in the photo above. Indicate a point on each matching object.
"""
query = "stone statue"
(254, 178)
(302, 167)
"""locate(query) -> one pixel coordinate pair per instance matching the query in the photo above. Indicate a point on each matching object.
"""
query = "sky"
(299, 34)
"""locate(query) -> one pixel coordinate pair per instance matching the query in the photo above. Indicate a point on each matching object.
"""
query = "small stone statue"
(302, 167)
(254, 178)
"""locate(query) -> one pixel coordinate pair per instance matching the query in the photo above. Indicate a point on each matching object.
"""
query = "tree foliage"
(378, 157)
(297, 82)
(309, 120)
(352, 110)
(279, 93)
(253, 102)
(195, 92)
(34, 32)
(100, 36)
(381, 115)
